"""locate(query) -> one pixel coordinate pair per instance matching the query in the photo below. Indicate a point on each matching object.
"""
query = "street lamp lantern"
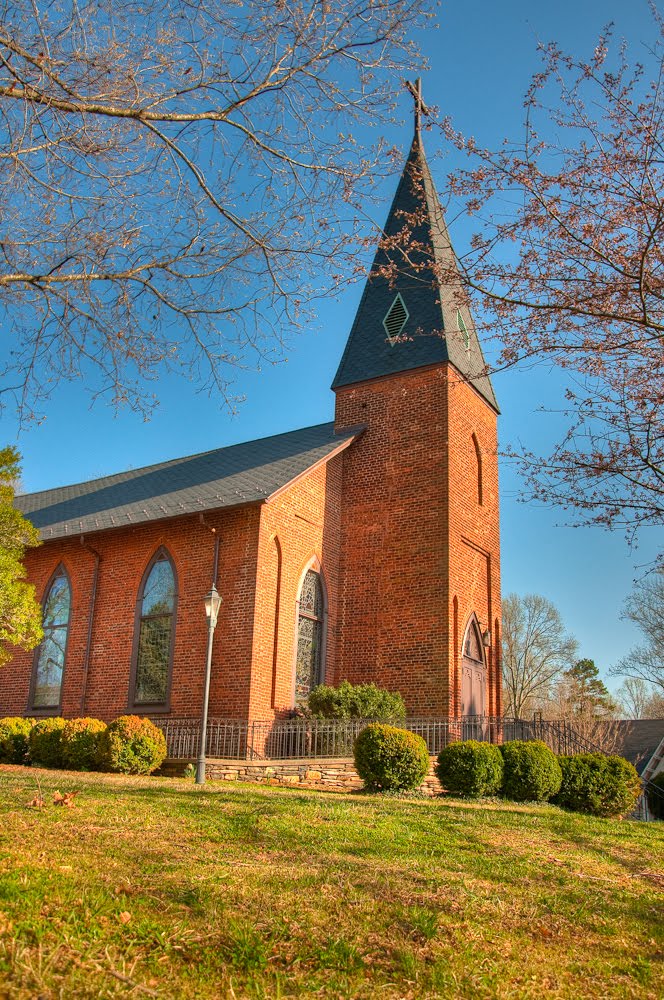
(212, 605)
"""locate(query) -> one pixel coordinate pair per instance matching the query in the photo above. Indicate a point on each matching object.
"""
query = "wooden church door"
(473, 672)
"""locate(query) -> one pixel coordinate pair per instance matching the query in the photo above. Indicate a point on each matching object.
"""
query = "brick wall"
(406, 542)
(299, 529)
(264, 552)
(124, 556)
(419, 551)
(474, 539)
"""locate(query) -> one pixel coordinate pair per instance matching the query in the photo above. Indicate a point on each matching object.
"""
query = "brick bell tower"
(420, 557)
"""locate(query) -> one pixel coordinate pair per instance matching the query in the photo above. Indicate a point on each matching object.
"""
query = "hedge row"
(530, 772)
(390, 759)
(128, 745)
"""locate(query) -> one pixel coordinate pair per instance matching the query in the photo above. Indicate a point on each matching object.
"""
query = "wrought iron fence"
(320, 738)
(317, 739)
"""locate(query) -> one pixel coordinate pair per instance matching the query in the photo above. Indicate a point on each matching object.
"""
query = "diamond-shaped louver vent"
(396, 319)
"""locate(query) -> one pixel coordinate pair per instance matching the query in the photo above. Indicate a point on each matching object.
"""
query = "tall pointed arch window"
(478, 466)
(51, 654)
(155, 634)
(473, 672)
(310, 622)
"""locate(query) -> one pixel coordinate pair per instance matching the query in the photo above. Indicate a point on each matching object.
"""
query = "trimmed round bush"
(46, 742)
(531, 771)
(131, 745)
(356, 701)
(390, 759)
(80, 743)
(599, 785)
(470, 768)
(655, 801)
(14, 736)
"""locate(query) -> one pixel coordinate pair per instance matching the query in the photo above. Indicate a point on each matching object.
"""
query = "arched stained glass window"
(50, 657)
(311, 608)
(156, 628)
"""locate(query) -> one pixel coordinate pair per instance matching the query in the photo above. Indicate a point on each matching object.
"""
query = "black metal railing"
(319, 739)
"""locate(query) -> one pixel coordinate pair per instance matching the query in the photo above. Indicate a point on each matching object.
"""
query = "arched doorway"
(473, 672)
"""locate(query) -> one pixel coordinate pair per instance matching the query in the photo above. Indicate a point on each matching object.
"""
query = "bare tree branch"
(174, 194)
(567, 265)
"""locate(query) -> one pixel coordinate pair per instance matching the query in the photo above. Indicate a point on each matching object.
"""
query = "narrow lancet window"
(50, 657)
(308, 667)
(478, 461)
(156, 627)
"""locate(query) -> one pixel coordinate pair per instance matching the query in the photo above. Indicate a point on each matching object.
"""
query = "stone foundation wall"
(328, 775)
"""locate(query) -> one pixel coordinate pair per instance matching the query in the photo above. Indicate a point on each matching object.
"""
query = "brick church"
(366, 548)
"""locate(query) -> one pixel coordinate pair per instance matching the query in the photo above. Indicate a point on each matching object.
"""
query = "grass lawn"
(152, 887)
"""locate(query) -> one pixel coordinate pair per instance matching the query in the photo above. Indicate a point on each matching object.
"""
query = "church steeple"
(412, 312)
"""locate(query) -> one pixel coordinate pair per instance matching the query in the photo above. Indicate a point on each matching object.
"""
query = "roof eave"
(354, 432)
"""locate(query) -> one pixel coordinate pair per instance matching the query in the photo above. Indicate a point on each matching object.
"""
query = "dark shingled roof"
(431, 334)
(225, 477)
(637, 739)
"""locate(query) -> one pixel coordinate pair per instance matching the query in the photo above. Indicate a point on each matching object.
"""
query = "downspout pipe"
(217, 540)
(91, 616)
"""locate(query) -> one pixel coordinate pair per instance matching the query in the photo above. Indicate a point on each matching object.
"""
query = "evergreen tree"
(586, 693)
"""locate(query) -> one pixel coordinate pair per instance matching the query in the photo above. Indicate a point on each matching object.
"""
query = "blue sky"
(481, 57)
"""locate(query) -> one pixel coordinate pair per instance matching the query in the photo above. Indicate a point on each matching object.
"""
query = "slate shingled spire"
(416, 262)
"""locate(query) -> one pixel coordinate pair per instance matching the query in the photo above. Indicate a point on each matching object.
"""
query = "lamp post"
(212, 604)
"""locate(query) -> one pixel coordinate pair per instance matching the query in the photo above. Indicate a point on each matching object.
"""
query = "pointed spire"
(414, 284)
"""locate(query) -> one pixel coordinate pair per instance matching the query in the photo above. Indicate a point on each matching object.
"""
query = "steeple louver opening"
(463, 330)
(396, 319)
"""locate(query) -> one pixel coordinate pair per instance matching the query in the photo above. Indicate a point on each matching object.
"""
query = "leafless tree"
(635, 696)
(536, 650)
(567, 263)
(645, 607)
(178, 181)
(594, 722)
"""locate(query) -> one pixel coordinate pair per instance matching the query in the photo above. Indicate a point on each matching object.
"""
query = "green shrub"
(596, 784)
(46, 742)
(655, 801)
(131, 745)
(356, 701)
(80, 743)
(470, 768)
(531, 771)
(388, 758)
(14, 736)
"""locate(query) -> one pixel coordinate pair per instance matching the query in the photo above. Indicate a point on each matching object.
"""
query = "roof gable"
(225, 477)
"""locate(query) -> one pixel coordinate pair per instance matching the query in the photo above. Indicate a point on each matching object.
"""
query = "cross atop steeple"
(420, 107)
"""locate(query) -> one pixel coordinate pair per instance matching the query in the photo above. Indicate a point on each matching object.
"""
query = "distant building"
(640, 741)
(366, 548)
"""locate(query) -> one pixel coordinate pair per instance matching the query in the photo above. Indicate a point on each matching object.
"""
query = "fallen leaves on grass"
(66, 800)
(36, 803)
